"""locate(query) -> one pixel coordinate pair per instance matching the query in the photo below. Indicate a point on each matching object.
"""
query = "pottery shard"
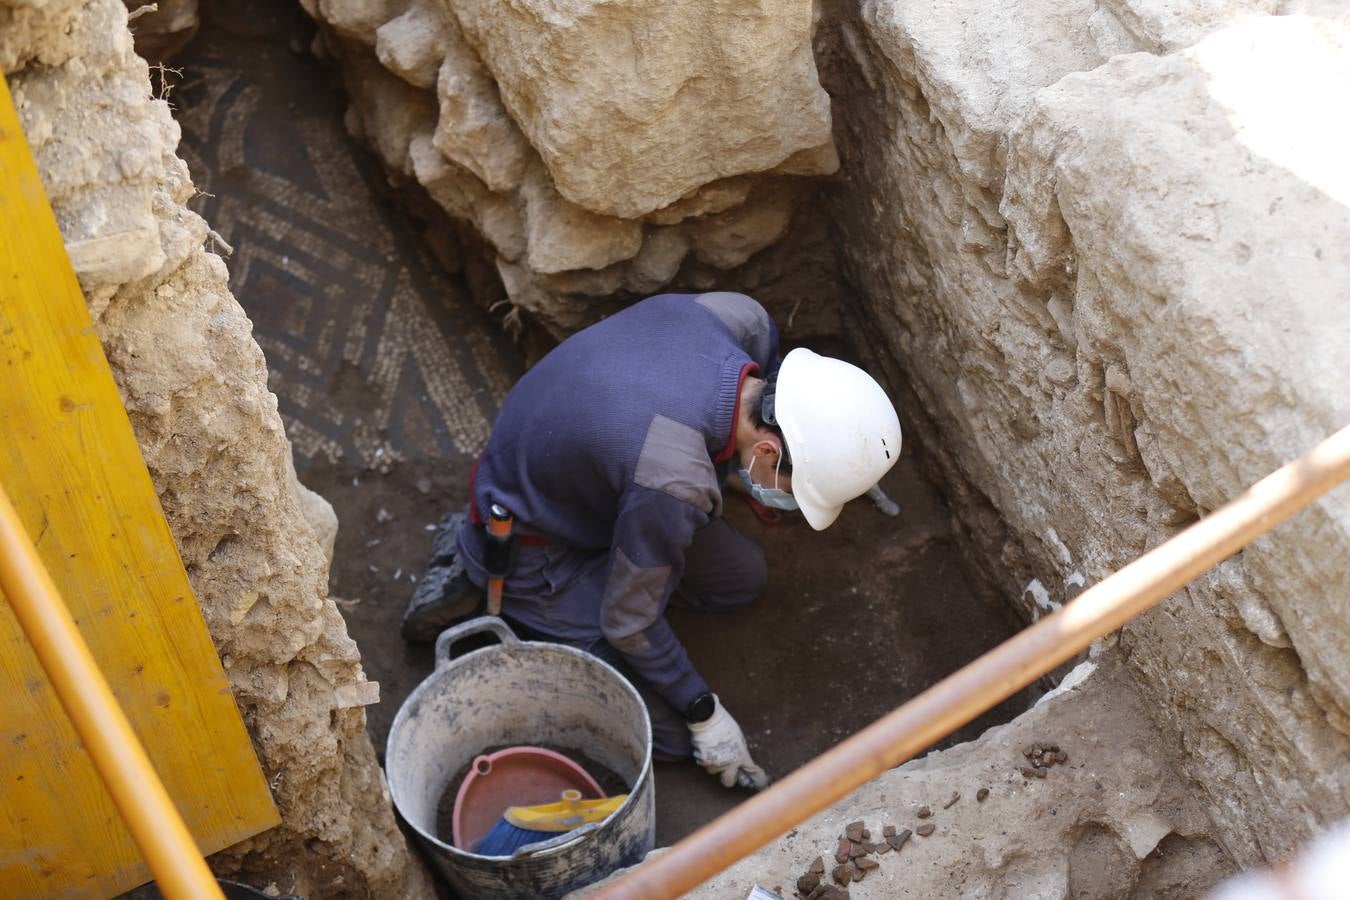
(818, 866)
(923, 812)
(856, 850)
(634, 104)
(898, 840)
(857, 873)
(1029, 772)
(842, 873)
(925, 830)
(884, 847)
(808, 883)
(854, 831)
(829, 892)
(841, 852)
(888, 831)
(866, 865)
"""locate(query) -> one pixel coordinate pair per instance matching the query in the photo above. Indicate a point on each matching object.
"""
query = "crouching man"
(611, 454)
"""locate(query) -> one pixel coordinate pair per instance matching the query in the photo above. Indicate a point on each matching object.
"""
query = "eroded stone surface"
(632, 105)
(1119, 291)
(1125, 820)
(195, 387)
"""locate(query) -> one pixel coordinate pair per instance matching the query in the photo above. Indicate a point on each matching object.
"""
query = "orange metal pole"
(990, 679)
(158, 830)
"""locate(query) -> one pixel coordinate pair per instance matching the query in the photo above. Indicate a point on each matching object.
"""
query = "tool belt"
(502, 546)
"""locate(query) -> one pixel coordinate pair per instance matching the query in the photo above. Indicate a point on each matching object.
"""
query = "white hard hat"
(841, 430)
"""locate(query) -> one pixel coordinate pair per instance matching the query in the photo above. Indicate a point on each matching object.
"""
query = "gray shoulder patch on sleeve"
(674, 460)
(746, 318)
(631, 603)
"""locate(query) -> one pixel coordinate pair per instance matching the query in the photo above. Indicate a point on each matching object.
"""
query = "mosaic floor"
(371, 348)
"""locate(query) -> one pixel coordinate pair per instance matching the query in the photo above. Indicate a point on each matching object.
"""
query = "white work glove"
(719, 747)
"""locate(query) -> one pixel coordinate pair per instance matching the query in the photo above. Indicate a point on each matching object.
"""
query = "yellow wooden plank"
(70, 462)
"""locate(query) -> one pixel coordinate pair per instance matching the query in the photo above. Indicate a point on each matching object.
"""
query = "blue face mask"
(774, 497)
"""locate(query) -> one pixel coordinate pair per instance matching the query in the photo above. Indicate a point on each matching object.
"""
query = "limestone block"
(355, 19)
(563, 236)
(474, 129)
(460, 193)
(391, 111)
(632, 105)
(410, 45)
(713, 197)
(728, 239)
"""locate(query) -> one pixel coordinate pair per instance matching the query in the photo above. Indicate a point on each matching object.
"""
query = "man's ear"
(768, 448)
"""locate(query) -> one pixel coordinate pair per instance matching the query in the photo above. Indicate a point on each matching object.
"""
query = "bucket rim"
(635, 792)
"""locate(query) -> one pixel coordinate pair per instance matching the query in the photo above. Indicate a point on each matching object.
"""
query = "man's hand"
(719, 747)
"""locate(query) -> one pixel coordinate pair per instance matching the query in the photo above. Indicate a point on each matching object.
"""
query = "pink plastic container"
(516, 776)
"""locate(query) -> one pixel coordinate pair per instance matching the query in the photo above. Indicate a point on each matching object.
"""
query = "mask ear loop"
(775, 471)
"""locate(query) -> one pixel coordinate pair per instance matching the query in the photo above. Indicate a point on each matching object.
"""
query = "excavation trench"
(1035, 228)
(388, 373)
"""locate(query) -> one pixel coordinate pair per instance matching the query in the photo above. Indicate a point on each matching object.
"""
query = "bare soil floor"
(345, 299)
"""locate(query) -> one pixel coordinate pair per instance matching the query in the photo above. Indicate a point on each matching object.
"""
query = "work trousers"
(554, 595)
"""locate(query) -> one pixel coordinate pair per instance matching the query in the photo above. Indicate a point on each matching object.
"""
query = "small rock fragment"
(829, 892)
(808, 883)
(854, 831)
(866, 865)
(1053, 748)
(888, 831)
(884, 847)
(841, 852)
(1061, 757)
(818, 867)
(842, 874)
(857, 850)
(924, 812)
(899, 840)
(955, 796)
(858, 873)
(925, 830)
(1028, 773)
(981, 794)
(866, 835)
(1040, 771)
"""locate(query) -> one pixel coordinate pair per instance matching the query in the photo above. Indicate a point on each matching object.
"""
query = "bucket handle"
(561, 840)
(474, 626)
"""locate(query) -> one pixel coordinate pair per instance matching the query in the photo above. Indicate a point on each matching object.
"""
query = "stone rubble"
(606, 151)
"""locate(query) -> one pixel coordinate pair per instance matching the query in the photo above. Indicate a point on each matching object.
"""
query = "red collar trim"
(747, 370)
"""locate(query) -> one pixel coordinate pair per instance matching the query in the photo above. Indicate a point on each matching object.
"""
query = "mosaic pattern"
(375, 355)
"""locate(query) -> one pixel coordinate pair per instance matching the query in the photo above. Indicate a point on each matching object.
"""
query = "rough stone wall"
(195, 387)
(1103, 249)
(606, 151)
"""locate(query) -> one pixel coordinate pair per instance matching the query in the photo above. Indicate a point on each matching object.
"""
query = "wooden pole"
(990, 679)
(174, 859)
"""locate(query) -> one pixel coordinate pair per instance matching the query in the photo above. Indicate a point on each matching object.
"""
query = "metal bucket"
(523, 692)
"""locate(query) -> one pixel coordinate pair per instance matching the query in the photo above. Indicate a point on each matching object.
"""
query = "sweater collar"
(728, 408)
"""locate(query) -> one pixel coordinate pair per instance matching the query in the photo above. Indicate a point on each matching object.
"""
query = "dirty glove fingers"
(752, 776)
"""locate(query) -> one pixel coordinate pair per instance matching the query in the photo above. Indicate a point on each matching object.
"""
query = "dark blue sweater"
(617, 442)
